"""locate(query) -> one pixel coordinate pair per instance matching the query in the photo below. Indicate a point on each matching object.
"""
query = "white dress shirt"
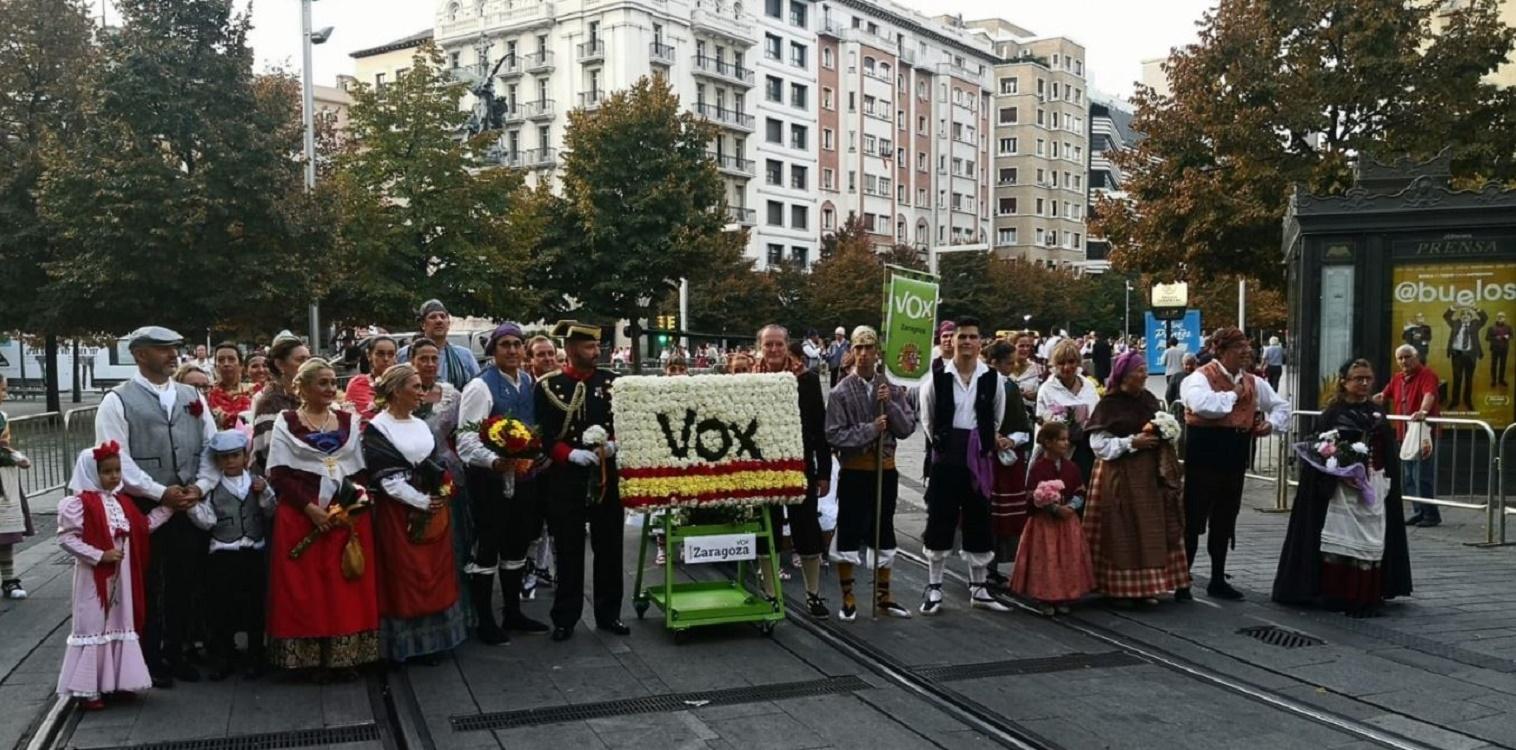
(414, 440)
(204, 516)
(1199, 399)
(963, 399)
(110, 424)
(476, 406)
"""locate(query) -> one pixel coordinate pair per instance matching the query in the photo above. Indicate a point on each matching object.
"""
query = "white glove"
(581, 457)
(610, 449)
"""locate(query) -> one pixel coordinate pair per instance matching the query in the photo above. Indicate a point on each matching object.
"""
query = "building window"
(1005, 236)
(776, 254)
(773, 8)
(775, 214)
(826, 99)
(1007, 176)
(828, 218)
(773, 171)
(798, 137)
(826, 140)
(1007, 115)
(921, 125)
(1007, 146)
(378, 80)
(798, 55)
(773, 130)
(801, 256)
(921, 161)
(828, 179)
(773, 47)
(799, 177)
(921, 197)
(1007, 207)
(826, 58)
(798, 14)
(1008, 85)
(799, 217)
(773, 89)
(799, 95)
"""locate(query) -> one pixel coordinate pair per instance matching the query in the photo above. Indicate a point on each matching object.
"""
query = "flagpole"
(879, 452)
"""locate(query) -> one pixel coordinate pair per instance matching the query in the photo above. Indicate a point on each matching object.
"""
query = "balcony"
(958, 71)
(722, 70)
(728, 117)
(661, 54)
(540, 61)
(734, 166)
(744, 216)
(538, 110)
(907, 55)
(591, 100)
(524, 16)
(716, 18)
(468, 74)
(830, 26)
(510, 68)
(512, 113)
(539, 158)
(592, 51)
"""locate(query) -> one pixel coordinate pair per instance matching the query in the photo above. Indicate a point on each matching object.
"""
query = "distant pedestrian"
(1413, 393)
(455, 363)
(1173, 358)
(382, 353)
(15, 515)
(1273, 361)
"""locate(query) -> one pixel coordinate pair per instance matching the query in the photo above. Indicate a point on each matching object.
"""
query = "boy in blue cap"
(236, 513)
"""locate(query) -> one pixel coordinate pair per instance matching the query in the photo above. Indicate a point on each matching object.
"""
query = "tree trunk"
(78, 369)
(636, 328)
(51, 373)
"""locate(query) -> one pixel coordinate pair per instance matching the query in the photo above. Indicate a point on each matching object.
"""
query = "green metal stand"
(695, 603)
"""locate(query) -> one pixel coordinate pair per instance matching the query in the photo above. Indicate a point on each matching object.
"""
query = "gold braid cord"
(574, 407)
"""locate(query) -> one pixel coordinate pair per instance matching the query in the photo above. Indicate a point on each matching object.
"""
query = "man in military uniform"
(163, 428)
(568, 402)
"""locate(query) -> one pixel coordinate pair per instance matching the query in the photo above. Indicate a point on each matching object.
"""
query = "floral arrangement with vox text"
(709, 441)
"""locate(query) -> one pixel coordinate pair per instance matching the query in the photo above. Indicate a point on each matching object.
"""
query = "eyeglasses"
(1362, 379)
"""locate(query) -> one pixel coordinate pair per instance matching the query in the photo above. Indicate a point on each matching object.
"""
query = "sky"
(1117, 34)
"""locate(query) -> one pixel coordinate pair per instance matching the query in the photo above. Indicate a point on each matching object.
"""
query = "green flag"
(910, 321)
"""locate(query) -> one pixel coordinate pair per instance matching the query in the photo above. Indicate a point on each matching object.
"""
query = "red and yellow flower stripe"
(740, 482)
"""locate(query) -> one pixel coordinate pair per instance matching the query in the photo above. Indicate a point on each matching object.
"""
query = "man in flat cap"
(163, 428)
(508, 509)
(1226, 408)
(863, 410)
(456, 363)
(569, 402)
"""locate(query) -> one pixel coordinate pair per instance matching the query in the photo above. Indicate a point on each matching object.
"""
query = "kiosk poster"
(1458, 316)
(1159, 331)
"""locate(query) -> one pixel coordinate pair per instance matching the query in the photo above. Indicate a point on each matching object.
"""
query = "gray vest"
(166, 448)
(236, 518)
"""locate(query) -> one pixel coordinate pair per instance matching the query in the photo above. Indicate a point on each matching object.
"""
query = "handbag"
(1417, 436)
(352, 557)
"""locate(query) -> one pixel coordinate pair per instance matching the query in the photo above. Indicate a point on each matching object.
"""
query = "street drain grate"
(1277, 636)
(655, 704)
(1027, 666)
(271, 740)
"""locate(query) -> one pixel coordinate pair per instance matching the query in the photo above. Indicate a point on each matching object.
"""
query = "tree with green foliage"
(421, 215)
(1276, 95)
(182, 204)
(642, 200)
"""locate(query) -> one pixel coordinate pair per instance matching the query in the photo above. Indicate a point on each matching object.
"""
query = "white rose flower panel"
(709, 440)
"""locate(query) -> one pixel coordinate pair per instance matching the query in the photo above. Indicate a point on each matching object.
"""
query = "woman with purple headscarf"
(1134, 515)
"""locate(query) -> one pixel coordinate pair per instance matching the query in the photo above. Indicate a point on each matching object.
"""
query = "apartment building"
(825, 109)
(1110, 130)
(1041, 144)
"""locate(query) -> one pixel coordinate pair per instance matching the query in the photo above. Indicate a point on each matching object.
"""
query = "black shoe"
(615, 627)
(817, 606)
(1427, 523)
(482, 592)
(561, 633)
(1183, 595)
(1223, 590)
(163, 681)
(1415, 519)
(186, 673)
(519, 623)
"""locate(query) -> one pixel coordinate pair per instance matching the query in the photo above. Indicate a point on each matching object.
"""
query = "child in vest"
(236, 513)
(109, 539)
(1053, 562)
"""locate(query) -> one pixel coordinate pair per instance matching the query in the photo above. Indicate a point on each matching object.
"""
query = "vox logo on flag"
(910, 320)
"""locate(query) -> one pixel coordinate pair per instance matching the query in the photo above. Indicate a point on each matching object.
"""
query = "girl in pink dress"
(108, 538)
(1053, 561)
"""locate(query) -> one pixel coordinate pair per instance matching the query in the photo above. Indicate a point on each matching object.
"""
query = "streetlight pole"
(309, 39)
(1126, 326)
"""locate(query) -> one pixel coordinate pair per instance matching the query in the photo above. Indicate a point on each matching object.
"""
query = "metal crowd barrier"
(1467, 464)
(51, 441)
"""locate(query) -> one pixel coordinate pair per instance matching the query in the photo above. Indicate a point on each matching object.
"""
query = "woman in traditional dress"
(439, 409)
(15, 514)
(418, 591)
(1069, 397)
(278, 395)
(323, 611)
(257, 372)
(1134, 517)
(109, 540)
(1053, 559)
(1008, 500)
(1346, 546)
(360, 390)
(1024, 371)
(229, 397)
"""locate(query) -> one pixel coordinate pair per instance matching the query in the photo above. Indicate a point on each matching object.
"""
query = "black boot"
(511, 618)
(482, 591)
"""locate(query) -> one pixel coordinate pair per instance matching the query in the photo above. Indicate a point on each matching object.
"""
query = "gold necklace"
(306, 420)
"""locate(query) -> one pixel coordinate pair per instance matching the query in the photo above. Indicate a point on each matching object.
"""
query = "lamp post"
(308, 39)
(1126, 329)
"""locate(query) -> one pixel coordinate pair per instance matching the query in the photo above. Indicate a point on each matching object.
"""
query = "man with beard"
(163, 428)
(805, 518)
(456, 363)
(1226, 408)
(508, 509)
(863, 410)
(568, 403)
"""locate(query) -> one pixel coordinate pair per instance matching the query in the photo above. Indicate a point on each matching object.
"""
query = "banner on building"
(1458, 317)
(910, 322)
(1158, 332)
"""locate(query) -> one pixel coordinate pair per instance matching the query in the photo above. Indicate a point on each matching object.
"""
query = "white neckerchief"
(165, 393)
(1226, 372)
(410, 436)
(238, 485)
(287, 450)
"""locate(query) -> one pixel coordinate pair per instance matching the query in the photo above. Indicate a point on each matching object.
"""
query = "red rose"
(196, 408)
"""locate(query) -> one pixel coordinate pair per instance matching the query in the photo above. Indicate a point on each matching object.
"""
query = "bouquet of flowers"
(437, 482)
(1164, 425)
(510, 439)
(595, 438)
(1337, 452)
(1048, 494)
(1345, 459)
(349, 501)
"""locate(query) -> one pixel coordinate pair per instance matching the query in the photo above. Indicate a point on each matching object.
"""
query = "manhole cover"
(1277, 636)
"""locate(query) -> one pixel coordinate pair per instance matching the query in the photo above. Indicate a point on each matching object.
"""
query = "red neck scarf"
(97, 534)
